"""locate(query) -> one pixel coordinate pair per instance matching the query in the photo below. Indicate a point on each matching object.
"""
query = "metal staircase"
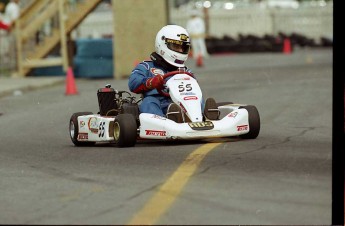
(60, 17)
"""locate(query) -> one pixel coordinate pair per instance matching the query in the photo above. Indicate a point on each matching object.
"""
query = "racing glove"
(154, 82)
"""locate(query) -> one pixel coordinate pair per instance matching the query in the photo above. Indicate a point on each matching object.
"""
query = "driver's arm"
(141, 80)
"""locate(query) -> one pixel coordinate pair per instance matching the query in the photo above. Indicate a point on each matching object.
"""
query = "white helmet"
(173, 44)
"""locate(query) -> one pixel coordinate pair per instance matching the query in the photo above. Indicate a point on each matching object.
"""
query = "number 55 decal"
(101, 129)
(187, 87)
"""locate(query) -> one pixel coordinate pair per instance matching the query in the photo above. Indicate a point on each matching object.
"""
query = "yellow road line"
(169, 191)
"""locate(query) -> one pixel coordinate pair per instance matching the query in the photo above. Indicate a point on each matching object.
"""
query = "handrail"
(34, 42)
(49, 11)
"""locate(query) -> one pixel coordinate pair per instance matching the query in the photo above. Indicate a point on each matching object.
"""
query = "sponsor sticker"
(159, 117)
(92, 124)
(184, 37)
(83, 136)
(157, 71)
(201, 125)
(242, 128)
(158, 133)
(183, 79)
(190, 98)
(232, 114)
(188, 93)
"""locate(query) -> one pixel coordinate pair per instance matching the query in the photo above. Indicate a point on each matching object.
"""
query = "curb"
(31, 85)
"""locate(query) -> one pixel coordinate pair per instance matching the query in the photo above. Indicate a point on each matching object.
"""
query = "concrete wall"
(136, 23)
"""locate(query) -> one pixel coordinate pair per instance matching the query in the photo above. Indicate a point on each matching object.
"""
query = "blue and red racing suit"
(152, 102)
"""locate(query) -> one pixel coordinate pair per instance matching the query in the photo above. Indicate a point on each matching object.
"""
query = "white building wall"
(312, 22)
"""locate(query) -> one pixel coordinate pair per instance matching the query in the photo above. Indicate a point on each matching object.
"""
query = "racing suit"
(152, 102)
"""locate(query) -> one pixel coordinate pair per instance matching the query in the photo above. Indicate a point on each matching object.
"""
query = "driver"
(172, 46)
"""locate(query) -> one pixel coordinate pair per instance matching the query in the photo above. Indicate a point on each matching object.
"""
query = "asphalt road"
(282, 177)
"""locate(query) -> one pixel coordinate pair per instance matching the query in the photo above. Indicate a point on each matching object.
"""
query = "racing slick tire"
(223, 103)
(74, 129)
(132, 109)
(254, 122)
(125, 130)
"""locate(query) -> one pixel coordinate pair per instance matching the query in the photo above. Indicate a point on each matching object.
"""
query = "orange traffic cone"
(71, 88)
(287, 46)
(199, 61)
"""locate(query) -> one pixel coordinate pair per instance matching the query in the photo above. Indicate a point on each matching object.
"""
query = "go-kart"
(120, 122)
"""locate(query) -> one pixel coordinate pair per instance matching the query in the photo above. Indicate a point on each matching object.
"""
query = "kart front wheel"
(125, 130)
(74, 129)
(254, 122)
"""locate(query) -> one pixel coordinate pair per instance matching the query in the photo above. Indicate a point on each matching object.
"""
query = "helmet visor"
(178, 46)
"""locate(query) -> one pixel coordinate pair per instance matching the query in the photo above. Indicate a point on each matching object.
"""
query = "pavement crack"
(286, 140)
(61, 174)
(210, 167)
(125, 202)
(154, 187)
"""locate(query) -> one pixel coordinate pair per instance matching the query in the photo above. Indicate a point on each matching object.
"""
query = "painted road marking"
(170, 190)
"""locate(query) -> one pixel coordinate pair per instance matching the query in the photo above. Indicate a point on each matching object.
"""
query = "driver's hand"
(155, 82)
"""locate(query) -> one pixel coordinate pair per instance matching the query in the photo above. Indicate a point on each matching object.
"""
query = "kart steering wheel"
(169, 74)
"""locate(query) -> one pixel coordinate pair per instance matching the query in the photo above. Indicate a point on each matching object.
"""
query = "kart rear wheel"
(125, 130)
(254, 122)
(132, 109)
(74, 129)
